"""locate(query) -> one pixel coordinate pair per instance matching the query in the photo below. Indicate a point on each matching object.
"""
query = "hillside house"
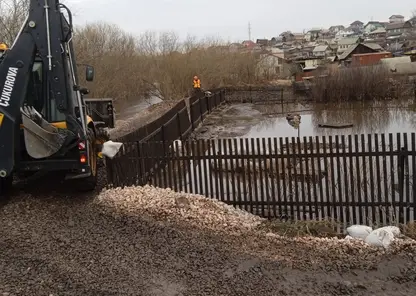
(378, 33)
(299, 37)
(336, 29)
(395, 30)
(278, 52)
(313, 34)
(262, 42)
(372, 26)
(276, 41)
(344, 34)
(322, 51)
(412, 21)
(396, 18)
(325, 36)
(287, 36)
(356, 26)
(272, 66)
(346, 57)
(248, 44)
(374, 46)
(345, 43)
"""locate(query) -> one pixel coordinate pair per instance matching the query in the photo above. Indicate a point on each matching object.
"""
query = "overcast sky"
(229, 19)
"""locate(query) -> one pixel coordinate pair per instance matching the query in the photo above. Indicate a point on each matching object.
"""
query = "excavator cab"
(44, 126)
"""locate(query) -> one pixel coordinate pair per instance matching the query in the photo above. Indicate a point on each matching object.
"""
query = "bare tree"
(12, 16)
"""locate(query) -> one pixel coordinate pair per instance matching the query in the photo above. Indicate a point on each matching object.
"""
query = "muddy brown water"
(252, 121)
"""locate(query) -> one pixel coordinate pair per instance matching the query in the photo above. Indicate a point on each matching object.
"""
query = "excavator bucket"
(42, 139)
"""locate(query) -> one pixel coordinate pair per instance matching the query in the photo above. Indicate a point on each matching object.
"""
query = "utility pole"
(249, 31)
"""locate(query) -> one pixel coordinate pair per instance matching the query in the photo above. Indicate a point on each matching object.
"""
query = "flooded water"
(365, 120)
(346, 178)
(264, 121)
(131, 110)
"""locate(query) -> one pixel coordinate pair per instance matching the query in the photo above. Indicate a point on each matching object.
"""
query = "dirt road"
(56, 244)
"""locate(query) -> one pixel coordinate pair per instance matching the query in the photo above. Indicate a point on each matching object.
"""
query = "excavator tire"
(6, 185)
(89, 183)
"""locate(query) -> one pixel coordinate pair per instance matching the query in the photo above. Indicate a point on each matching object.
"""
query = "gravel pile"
(147, 241)
(169, 206)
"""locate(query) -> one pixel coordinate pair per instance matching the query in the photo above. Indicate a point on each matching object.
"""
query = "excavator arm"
(45, 34)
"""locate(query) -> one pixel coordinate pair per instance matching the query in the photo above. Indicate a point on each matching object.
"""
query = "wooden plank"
(335, 125)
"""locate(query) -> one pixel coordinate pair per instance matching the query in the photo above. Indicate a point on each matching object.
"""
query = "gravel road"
(58, 244)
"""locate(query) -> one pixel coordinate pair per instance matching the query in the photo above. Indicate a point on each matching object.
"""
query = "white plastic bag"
(359, 231)
(380, 238)
(110, 148)
(394, 229)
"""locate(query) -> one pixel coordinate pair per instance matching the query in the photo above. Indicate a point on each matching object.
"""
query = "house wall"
(399, 30)
(396, 20)
(312, 63)
(369, 59)
(278, 52)
(268, 66)
(371, 27)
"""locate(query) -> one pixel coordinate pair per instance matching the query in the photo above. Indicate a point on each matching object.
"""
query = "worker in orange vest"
(3, 48)
(197, 84)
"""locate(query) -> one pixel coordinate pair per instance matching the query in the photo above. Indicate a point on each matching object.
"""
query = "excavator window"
(37, 95)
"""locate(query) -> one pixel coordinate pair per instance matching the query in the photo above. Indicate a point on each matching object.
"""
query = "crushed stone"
(149, 241)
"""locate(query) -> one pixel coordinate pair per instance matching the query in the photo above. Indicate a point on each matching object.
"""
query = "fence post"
(200, 109)
(178, 119)
(401, 170)
(110, 171)
(162, 130)
(414, 88)
(192, 116)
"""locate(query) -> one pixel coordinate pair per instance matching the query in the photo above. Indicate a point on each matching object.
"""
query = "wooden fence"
(352, 179)
(176, 124)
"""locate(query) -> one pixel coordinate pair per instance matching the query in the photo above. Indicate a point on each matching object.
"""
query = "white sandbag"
(394, 229)
(380, 238)
(359, 231)
(110, 148)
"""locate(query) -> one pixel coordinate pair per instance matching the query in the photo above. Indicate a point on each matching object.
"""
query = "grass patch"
(323, 228)
(409, 230)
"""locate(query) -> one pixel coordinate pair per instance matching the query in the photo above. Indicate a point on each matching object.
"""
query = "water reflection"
(367, 118)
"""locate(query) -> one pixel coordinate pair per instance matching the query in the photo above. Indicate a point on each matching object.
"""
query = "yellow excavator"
(44, 125)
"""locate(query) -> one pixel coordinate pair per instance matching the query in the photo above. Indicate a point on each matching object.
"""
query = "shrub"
(157, 64)
(356, 83)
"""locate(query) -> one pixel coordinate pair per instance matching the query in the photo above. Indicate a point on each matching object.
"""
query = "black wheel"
(89, 183)
(6, 185)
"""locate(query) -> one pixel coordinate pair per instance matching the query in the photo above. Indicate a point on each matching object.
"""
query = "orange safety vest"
(197, 83)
